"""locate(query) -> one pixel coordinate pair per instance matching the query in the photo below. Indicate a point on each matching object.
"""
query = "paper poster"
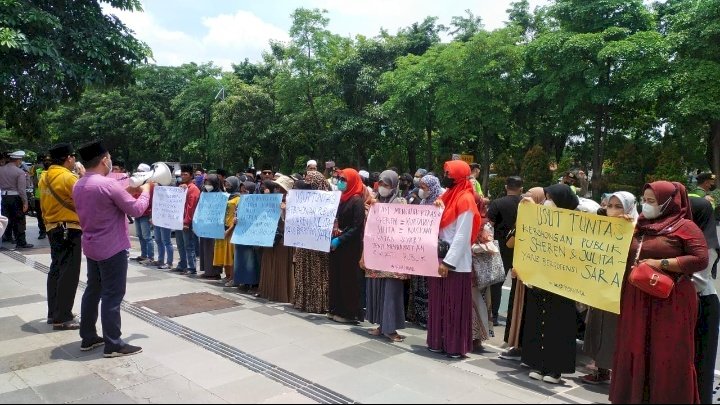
(258, 216)
(168, 207)
(309, 218)
(209, 219)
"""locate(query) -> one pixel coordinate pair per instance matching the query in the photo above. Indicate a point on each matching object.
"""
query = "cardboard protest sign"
(168, 207)
(209, 219)
(309, 218)
(258, 216)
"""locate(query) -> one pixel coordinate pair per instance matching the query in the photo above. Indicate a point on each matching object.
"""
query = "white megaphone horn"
(159, 174)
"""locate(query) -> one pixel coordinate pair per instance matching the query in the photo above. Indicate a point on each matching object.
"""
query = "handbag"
(443, 248)
(650, 280)
(488, 269)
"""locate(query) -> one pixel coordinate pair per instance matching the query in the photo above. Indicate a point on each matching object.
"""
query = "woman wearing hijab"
(429, 190)
(345, 276)
(706, 331)
(599, 343)
(385, 291)
(450, 296)
(207, 246)
(516, 305)
(224, 256)
(550, 325)
(655, 350)
(246, 265)
(277, 281)
(311, 266)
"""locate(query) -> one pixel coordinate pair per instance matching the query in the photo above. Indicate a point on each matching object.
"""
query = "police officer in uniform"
(13, 185)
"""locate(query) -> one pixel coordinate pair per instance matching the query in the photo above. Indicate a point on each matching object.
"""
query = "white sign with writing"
(169, 207)
(309, 218)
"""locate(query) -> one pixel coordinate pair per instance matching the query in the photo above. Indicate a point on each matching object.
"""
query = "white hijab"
(629, 203)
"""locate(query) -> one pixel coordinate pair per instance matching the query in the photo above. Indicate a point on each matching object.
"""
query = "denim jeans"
(106, 281)
(144, 234)
(186, 249)
(164, 245)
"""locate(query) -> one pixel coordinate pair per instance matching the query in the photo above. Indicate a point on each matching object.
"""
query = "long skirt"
(418, 305)
(481, 313)
(277, 281)
(346, 284)
(386, 304)
(450, 313)
(655, 347)
(207, 255)
(600, 337)
(311, 281)
(706, 345)
(514, 333)
(549, 332)
(224, 253)
(246, 268)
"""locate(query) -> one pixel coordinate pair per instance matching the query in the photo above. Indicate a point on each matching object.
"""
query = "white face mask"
(422, 194)
(416, 181)
(209, 188)
(549, 203)
(109, 167)
(334, 181)
(651, 211)
(384, 191)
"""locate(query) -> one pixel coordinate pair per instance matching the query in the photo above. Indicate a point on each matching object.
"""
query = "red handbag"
(649, 279)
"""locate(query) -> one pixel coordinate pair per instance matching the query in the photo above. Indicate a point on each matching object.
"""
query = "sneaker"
(230, 284)
(455, 356)
(511, 354)
(178, 270)
(147, 262)
(139, 258)
(25, 246)
(191, 273)
(536, 375)
(90, 344)
(435, 350)
(164, 267)
(155, 263)
(69, 325)
(552, 378)
(127, 350)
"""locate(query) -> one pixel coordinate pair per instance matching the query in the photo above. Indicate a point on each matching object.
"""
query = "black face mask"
(447, 182)
(713, 187)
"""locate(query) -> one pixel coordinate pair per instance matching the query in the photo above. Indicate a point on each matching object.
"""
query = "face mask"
(550, 203)
(651, 211)
(447, 182)
(422, 194)
(109, 167)
(416, 181)
(341, 185)
(334, 181)
(209, 188)
(384, 191)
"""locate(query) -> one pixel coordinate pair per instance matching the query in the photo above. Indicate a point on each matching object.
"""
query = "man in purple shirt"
(102, 206)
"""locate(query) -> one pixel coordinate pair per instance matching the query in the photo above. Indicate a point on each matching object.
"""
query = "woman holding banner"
(224, 255)
(311, 266)
(345, 276)
(277, 281)
(429, 191)
(450, 296)
(207, 245)
(655, 350)
(549, 329)
(246, 263)
(385, 298)
(601, 328)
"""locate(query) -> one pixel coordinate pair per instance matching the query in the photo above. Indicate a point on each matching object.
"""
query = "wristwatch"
(664, 264)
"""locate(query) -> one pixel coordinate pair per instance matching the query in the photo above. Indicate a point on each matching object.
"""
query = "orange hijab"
(355, 185)
(460, 198)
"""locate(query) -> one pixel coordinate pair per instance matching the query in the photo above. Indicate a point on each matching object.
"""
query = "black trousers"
(64, 275)
(706, 345)
(12, 208)
(496, 289)
(39, 216)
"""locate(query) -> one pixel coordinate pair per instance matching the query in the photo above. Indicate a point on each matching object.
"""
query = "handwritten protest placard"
(209, 219)
(258, 216)
(309, 218)
(168, 207)
(574, 254)
(402, 238)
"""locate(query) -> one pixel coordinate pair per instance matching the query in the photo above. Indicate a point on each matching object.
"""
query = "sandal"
(395, 337)
(374, 332)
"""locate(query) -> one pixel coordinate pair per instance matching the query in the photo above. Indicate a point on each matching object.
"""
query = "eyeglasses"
(267, 172)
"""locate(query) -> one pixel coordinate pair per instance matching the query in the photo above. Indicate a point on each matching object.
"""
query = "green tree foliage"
(535, 169)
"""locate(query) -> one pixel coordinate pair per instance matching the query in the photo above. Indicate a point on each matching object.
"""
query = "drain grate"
(287, 378)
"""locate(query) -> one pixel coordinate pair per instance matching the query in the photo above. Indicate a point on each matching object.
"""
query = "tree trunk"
(598, 155)
(429, 156)
(412, 156)
(715, 146)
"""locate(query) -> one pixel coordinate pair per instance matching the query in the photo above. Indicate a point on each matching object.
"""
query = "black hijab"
(704, 218)
(250, 187)
(563, 196)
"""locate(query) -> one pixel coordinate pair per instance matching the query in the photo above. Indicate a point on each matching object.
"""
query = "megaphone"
(159, 174)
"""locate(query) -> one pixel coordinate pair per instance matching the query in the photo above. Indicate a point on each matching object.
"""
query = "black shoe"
(90, 344)
(42, 236)
(511, 354)
(127, 350)
(69, 325)
(25, 246)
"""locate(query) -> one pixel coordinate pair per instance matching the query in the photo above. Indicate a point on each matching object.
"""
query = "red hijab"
(355, 185)
(677, 208)
(460, 198)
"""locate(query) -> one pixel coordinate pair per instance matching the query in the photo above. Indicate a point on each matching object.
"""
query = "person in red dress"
(654, 358)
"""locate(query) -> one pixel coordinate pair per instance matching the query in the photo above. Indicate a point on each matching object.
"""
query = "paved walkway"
(255, 352)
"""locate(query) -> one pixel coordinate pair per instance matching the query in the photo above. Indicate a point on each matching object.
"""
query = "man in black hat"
(64, 232)
(102, 206)
(502, 213)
